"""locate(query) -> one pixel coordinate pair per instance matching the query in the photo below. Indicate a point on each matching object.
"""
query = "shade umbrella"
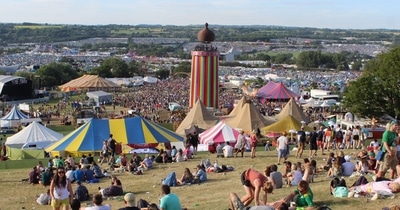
(273, 134)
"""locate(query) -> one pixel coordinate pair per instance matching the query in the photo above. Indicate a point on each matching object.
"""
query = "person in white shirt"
(44, 198)
(240, 145)
(348, 166)
(282, 147)
(98, 204)
(227, 150)
(70, 175)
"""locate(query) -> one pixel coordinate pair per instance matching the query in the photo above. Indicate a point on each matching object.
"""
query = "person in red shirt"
(254, 182)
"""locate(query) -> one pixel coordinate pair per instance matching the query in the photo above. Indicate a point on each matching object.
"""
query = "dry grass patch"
(210, 195)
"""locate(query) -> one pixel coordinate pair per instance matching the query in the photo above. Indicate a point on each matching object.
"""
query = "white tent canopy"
(35, 135)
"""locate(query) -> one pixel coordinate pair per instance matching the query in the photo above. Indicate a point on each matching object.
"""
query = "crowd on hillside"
(366, 164)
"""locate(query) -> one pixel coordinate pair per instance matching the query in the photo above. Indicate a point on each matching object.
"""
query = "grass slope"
(210, 195)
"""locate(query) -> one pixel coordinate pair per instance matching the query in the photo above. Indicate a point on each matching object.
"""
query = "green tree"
(183, 67)
(377, 91)
(113, 67)
(54, 74)
(162, 74)
(357, 65)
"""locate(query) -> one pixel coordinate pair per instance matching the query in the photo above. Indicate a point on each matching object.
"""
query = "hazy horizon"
(330, 14)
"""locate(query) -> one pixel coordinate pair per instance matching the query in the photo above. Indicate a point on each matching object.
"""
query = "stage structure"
(204, 73)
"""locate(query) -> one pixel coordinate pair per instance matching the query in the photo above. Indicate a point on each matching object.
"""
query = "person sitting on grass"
(276, 177)
(98, 204)
(44, 198)
(45, 177)
(130, 202)
(302, 196)
(200, 175)
(236, 204)
(295, 176)
(114, 190)
(336, 170)
(97, 171)
(34, 176)
(81, 192)
(147, 163)
(187, 177)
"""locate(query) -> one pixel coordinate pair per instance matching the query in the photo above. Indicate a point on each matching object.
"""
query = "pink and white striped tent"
(219, 133)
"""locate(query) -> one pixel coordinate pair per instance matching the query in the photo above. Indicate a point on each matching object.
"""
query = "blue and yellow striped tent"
(89, 137)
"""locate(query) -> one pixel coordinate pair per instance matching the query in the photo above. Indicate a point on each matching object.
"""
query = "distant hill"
(47, 33)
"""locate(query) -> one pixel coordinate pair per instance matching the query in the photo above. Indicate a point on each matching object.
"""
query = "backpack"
(341, 192)
(339, 134)
(170, 180)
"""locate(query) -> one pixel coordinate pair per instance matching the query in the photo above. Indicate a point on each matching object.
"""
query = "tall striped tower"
(204, 73)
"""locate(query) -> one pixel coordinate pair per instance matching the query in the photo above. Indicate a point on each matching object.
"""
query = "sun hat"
(130, 199)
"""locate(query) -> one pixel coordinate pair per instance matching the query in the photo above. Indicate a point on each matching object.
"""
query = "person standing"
(240, 145)
(320, 139)
(313, 143)
(194, 141)
(61, 190)
(301, 142)
(104, 152)
(282, 147)
(389, 148)
(253, 143)
(169, 201)
(112, 146)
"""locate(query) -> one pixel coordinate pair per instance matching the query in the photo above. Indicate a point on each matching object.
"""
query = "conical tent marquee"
(35, 135)
(266, 89)
(291, 108)
(90, 136)
(279, 92)
(30, 142)
(15, 114)
(199, 116)
(219, 133)
(238, 107)
(285, 124)
(13, 118)
(248, 118)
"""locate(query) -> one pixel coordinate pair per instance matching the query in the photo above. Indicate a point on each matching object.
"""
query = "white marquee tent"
(34, 136)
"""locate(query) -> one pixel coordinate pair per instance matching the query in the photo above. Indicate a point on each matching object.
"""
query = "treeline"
(43, 33)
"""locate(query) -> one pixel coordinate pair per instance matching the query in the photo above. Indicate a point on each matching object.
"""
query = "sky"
(334, 14)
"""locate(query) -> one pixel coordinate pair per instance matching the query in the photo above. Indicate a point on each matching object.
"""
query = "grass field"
(212, 194)
(36, 26)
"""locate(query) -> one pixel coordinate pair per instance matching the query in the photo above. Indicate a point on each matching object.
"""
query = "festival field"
(212, 194)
